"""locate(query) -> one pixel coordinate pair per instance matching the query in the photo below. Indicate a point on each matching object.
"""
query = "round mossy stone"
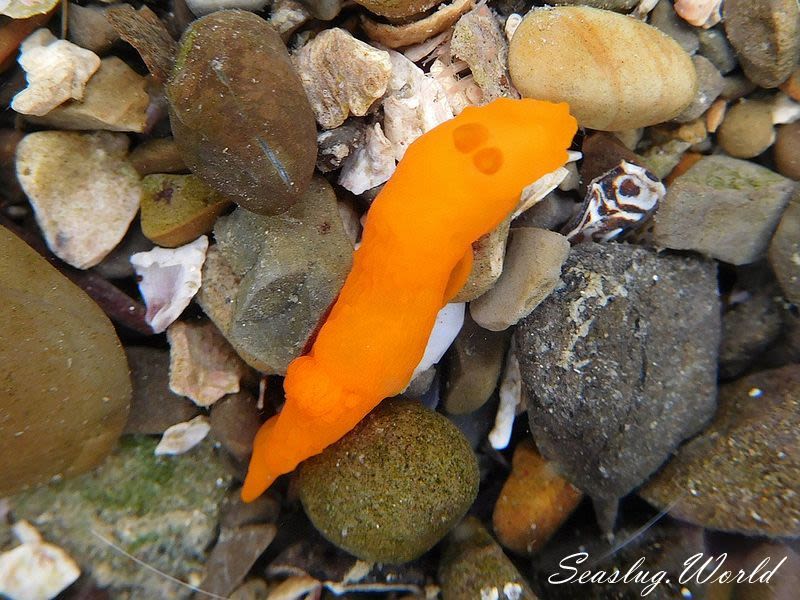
(392, 487)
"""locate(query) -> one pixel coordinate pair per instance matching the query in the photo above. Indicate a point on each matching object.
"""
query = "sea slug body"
(454, 184)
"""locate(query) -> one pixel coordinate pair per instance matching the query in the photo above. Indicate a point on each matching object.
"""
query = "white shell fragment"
(341, 75)
(35, 570)
(22, 9)
(784, 109)
(371, 165)
(512, 22)
(700, 13)
(537, 190)
(449, 322)
(57, 71)
(461, 90)
(616, 203)
(170, 277)
(202, 364)
(182, 437)
(415, 103)
(510, 400)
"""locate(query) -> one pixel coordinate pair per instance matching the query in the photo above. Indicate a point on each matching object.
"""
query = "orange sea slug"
(454, 184)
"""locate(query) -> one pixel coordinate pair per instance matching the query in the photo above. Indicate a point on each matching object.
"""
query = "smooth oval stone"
(397, 9)
(615, 72)
(239, 113)
(392, 487)
(66, 390)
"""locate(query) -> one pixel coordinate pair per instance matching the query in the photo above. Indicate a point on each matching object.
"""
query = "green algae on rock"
(239, 113)
(177, 209)
(163, 510)
(392, 487)
(474, 566)
(66, 389)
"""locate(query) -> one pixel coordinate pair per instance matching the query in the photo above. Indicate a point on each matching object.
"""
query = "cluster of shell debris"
(182, 185)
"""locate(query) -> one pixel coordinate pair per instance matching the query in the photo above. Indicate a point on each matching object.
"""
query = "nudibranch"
(455, 183)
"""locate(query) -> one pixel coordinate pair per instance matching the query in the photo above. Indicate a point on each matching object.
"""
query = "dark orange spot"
(488, 161)
(469, 136)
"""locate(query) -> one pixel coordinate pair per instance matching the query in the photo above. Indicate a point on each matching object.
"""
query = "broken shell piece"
(202, 364)
(478, 41)
(643, 9)
(22, 9)
(460, 91)
(415, 103)
(57, 71)
(512, 22)
(182, 437)
(397, 36)
(417, 52)
(616, 203)
(537, 190)
(449, 322)
(169, 280)
(700, 13)
(341, 75)
(715, 114)
(35, 570)
(371, 165)
(510, 401)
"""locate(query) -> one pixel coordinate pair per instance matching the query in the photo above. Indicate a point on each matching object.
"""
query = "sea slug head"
(492, 152)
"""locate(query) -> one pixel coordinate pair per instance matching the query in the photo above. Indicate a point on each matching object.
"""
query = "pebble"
(177, 209)
(662, 158)
(371, 165)
(473, 566)
(150, 37)
(89, 28)
(531, 272)
(551, 212)
(700, 13)
(749, 327)
(260, 153)
(157, 155)
(402, 464)
(416, 32)
(205, 7)
(34, 569)
(168, 280)
(398, 9)
(22, 9)
(66, 390)
(341, 75)
(478, 41)
(724, 208)
(656, 87)
(709, 87)
(115, 99)
(202, 365)
(415, 103)
(787, 150)
(233, 556)
(117, 263)
(488, 256)
(534, 502)
(284, 273)
(182, 437)
(664, 18)
(784, 251)
(135, 500)
(741, 472)
(602, 152)
(154, 407)
(615, 5)
(83, 190)
(287, 16)
(614, 380)
(56, 70)
(715, 47)
(325, 10)
(474, 362)
(235, 419)
(747, 129)
(766, 37)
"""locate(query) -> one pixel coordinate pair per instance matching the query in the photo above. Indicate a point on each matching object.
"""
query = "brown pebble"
(602, 152)
(787, 150)
(686, 163)
(157, 155)
(747, 129)
(534, 502)
(234, 422)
